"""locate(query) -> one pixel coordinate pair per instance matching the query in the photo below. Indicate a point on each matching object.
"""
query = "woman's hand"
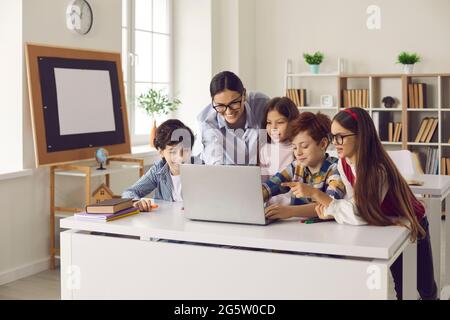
(144, 205)
(299, 189)
(277, 211)
(320, 210)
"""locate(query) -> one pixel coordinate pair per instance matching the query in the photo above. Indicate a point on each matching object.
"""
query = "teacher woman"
(229, 125)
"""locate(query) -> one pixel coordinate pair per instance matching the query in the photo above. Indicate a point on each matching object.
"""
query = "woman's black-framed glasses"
(221, 108)
(339, 138)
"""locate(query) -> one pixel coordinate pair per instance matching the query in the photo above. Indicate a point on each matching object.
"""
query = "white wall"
(24, 218)
(211, 36)
(49, 27)
(287, 28)
(192, 57)
(10, 85)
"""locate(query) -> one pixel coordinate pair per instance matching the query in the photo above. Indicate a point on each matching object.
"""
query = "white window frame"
(131, 65)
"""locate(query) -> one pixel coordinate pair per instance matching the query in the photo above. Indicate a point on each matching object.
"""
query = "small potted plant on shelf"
(408, 60)
(314, 60)
(156, 102)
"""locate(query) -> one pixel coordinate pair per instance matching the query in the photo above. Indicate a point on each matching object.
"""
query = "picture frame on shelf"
(326, 101)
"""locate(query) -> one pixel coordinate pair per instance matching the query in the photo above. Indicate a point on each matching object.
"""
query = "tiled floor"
(42, 286)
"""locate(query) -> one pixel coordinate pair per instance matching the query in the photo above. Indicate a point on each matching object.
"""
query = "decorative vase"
(408, 68)
(314, 68)
(152, 133)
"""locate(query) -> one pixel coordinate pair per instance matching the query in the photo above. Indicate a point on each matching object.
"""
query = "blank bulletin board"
(77, 103)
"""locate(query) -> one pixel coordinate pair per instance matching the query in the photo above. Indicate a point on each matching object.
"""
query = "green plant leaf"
(315, 58)
(408, 58)
(156, 102)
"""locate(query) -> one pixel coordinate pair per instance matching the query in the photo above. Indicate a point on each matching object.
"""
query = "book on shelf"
(396, 127)
(398, 131)
(432, 163)
(107, 216)
(432, 130)
(426, 130)
(394, 131)
(429, 130)
(298, 96)
(417, 95)
(422, 127)
(109, 206)
(422, 95)
(428, 162)
(447, 160)
(355, 98)
(391, 131)
(411, 96)
(376, 121)
(443, 166)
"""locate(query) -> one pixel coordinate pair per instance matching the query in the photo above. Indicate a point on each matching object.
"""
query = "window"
(146, 57)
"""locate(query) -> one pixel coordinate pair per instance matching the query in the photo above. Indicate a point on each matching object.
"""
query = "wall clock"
(79, 17)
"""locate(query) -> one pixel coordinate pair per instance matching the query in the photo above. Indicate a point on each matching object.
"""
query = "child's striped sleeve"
(272, 187)
(335, 186)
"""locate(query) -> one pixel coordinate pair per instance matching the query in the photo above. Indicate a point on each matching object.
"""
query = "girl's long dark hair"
(373, 163)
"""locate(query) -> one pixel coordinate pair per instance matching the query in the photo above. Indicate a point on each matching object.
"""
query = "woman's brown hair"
(284, 106)
(373, 162)
(318, 126)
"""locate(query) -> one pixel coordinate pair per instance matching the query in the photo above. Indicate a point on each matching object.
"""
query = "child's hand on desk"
(277, 211)
(320, 210)
(144, 205)
(299, 189)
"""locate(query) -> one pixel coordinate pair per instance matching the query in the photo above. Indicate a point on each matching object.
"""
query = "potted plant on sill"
(156, 103)
(408, 60)
(314, 60)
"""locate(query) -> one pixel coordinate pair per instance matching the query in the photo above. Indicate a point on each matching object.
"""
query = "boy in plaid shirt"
(314, 173)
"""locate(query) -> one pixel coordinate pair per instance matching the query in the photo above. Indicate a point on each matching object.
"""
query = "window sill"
(13, 174)
(143, 151)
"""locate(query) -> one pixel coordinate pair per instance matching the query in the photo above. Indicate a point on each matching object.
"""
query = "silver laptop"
(223, 193)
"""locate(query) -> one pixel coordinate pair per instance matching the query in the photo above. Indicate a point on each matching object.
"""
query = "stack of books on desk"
(108, 210)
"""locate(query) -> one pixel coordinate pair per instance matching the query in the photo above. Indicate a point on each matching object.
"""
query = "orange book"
(411, 95)
(443, 164)
(424, 136)
(423, 125)
(421, 95)
(416, 95)
(396, 125)
(391, 131)
(432, 130)
(448, 166)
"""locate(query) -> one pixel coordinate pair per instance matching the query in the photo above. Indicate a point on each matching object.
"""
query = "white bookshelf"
(380, 85)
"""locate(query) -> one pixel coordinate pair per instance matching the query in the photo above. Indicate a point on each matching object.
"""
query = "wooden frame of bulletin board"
(77, 104)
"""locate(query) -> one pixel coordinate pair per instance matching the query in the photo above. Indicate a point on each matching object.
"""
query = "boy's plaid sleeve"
(272, 187)
(335, 186)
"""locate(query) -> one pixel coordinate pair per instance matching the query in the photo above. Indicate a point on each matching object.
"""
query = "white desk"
(436, 192)
(350, 262)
